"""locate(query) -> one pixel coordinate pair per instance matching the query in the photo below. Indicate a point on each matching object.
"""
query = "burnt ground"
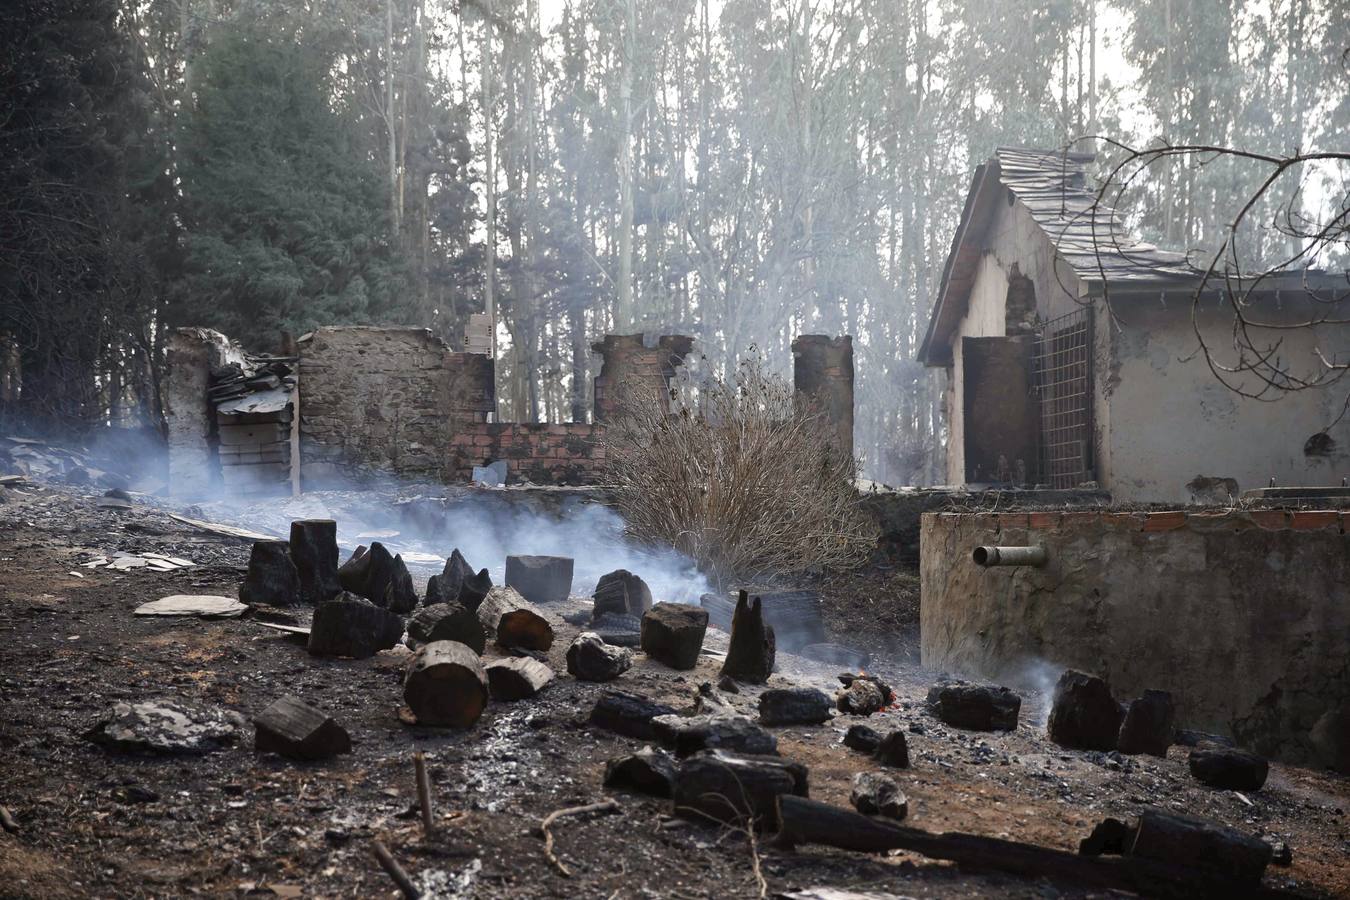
(99, 823)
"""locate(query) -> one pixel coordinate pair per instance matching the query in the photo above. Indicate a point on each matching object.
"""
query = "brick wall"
(378, 398)
(544, 454)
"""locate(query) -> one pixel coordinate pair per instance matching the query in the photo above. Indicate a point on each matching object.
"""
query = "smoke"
(486, 526)
(1036, 678)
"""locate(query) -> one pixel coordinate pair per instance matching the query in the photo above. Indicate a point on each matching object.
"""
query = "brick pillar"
(472, 385)
(194, 468)
(822, 372)
(633, 372)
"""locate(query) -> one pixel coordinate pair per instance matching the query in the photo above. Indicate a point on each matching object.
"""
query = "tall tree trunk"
(623, 309)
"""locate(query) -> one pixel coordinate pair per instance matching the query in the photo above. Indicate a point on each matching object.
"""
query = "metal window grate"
(1063, 371)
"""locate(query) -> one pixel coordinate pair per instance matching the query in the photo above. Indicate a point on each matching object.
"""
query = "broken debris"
(290, 727)
(203, 606)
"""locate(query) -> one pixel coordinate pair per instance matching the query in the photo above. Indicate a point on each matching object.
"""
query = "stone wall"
(378, 398)
(632, 372)
(1243, 616)
(192, 354)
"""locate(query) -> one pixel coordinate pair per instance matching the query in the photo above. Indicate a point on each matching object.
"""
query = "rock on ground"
(977, 707)
(591, 659)
(1228, 768)
(875, 794)
(166, 726)
(1084, 714)
(794, 706)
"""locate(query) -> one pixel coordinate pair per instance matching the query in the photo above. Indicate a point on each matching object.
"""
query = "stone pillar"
(632, 372)
(822, 373)
(194, 468)
(473, 388)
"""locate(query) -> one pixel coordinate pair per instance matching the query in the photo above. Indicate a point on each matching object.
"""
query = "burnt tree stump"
(1186, 841)
(352, 626)
(446, 622)
(457, 583)
(446, 685)
(736, 789)
(649, 771)
(1228, 768)
(512, 622)
(381, 578)
(293, 728)
(978, 707)
(352, 574)
(519, 678)
(1084, 714)
(1148, 725)
(540, 579)
(622, 593)
(314, 551)
(750, 655)
(672, 633)
(794, 706)
(272, 579)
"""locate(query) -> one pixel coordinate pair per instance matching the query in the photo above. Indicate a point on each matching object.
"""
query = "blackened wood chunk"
(381, 578)
(1110, 837)
(734, 788)
(672, 633)
(1197, 844)
(629, 715)
(540, 579)
(272, 579)
(1228, 768)
(649, 771)
(446, 685)
(690, 734)
(314, 551)
(861, 698)
(1148, 725)
(400, 595)
(751, 653)
(591, 659)
(457, 583)
(519, 678)
(512, 622)
(893, 750)
(1084, 714)
(295, 729)
(446, 622)
(622, 593)
(805, 821)
(977, 707)
(794, 706)
(862, 739)
(353, 573)
(875, 794)
(352, 626)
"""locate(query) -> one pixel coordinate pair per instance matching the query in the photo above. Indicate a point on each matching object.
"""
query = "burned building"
(1071, 352)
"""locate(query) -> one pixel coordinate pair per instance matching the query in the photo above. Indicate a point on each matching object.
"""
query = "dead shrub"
(739, 476)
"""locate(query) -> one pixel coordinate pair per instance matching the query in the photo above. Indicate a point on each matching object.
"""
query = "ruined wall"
(632, 372)
(1014, 239)
(1243, 616)
(377, 398)
(567, 453)
(1170, 419)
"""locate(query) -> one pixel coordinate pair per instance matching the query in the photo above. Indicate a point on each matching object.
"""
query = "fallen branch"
(609, 805)
(396, 872)
(807, 821)
(424, 792)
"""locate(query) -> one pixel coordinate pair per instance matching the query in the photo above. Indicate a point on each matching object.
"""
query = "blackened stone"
(893, 751)
(690, 734)
(862, 738)
(1084, 714)
(649, 771)
(875, 794)
(622, 593)
(1148, 725)
(977, 707)
(1228, 768)
(447, 622)
(540, 579)
(352, 626)
(794, 706)
(672, 633)
(293, 728)
(314, 551)
(591, 659)
(628, 714)
(272, 579)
